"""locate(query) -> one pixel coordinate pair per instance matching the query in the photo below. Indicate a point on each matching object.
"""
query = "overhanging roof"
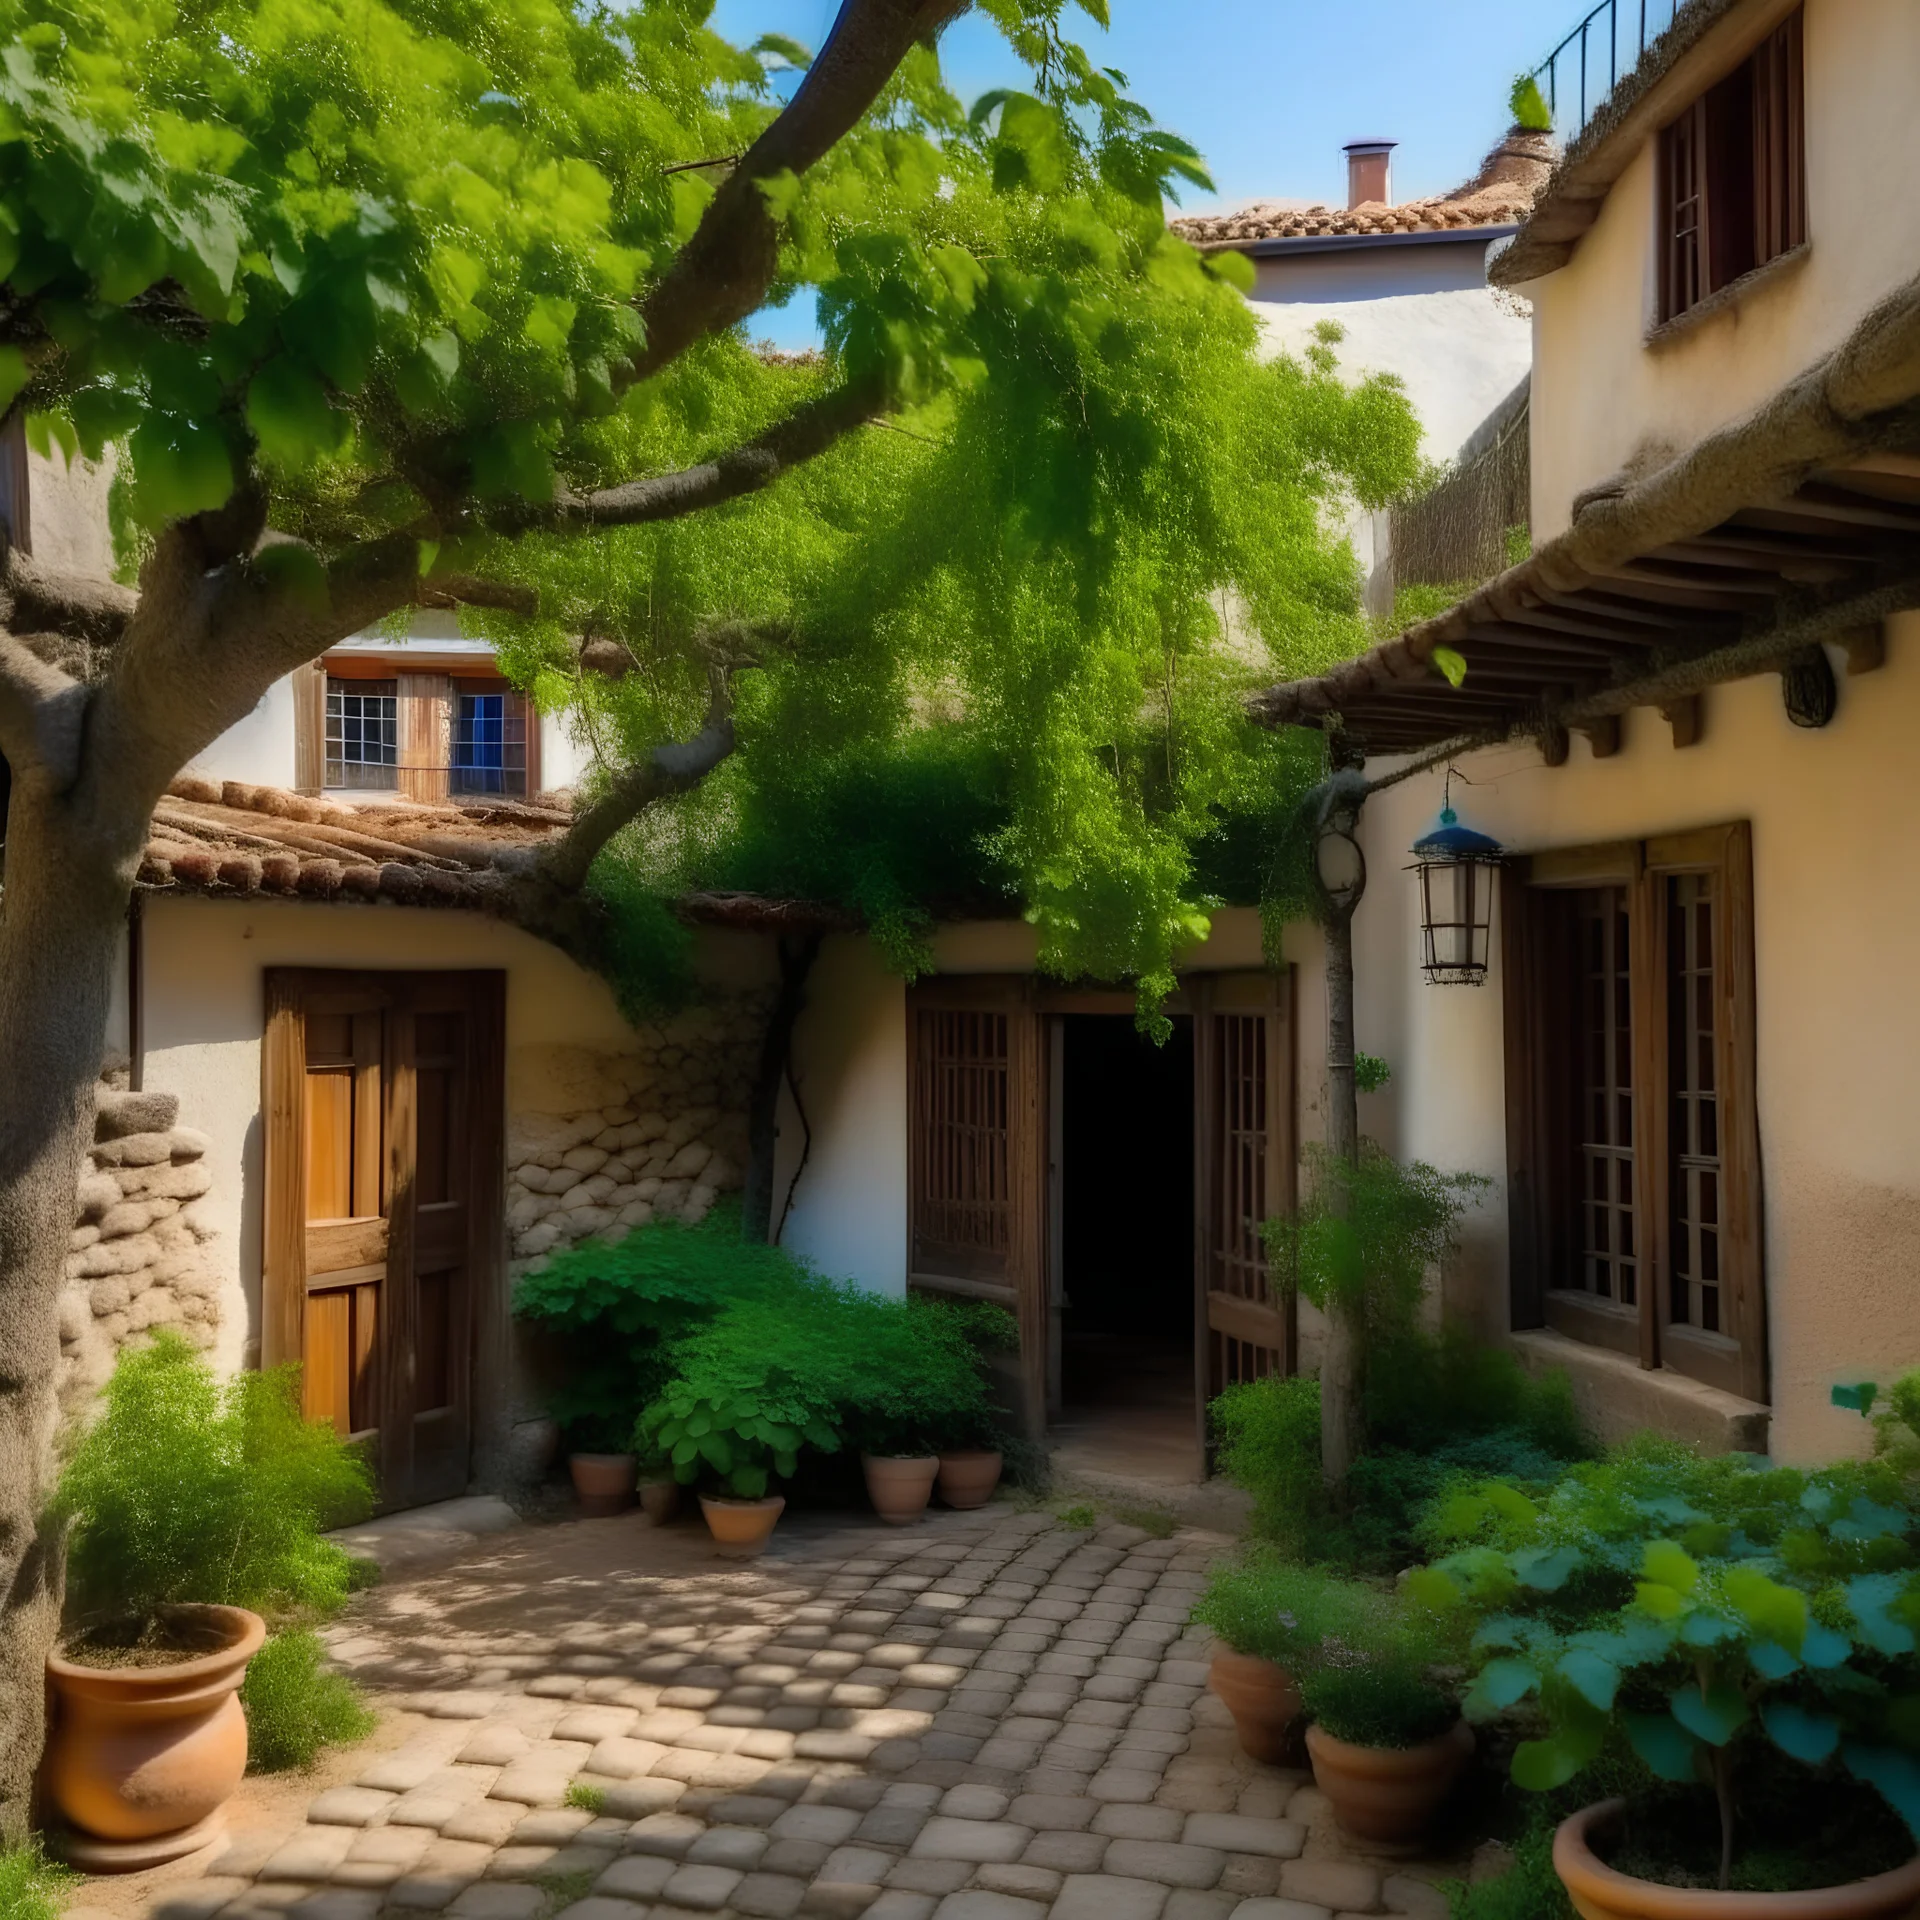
(1798, 523)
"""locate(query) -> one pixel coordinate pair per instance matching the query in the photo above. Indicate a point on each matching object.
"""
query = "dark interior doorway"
(1125, 1246)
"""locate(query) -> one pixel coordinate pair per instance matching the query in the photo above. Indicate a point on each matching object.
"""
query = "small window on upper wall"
(1733, 175)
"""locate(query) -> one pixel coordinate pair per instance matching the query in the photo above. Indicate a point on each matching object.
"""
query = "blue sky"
(1268, 90)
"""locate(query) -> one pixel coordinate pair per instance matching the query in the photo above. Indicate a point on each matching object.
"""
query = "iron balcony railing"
(1580, 73)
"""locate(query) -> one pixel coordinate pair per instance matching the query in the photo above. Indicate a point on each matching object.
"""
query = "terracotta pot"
(1598, 1893)
(140, 1753)
(899, 1485)
(967, 1480)
(603, 1482)
(1388, 1793)
(741, 1528)
(1264, 1699)
(659, 1498)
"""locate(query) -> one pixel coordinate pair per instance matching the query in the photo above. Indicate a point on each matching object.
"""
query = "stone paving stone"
(1027, 1883)
(310, 1855)
(1106, 1896)
(336, 1903)
(196, 1899)
(704, 1889)
(1166, 1861)
(498, 1900)
(944, 1838)
(892, 1826)
(739, 1847)
(1348, 1885)
(636, 1876)
(1275, 1909)
(829, 1826)
(1070, 1812)
(599, 1907)
(636, 1799)
(552, 1827)
(895, 1903)
(768, 1896)
(1188, 1903)
(349, 1806)
(977, 1904)
(1127, 1784)
(1126, 1822)
(1242, 1833)
(800, 1857)
(1066, 1852)
(594, 1724)
(938, 1877)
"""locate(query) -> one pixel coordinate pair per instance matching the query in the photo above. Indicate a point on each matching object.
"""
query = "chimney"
(1367, 171)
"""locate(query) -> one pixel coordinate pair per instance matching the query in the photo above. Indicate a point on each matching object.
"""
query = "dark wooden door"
(1244, 1173)
(383, 1099)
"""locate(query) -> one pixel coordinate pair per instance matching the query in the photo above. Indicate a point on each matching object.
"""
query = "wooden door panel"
(1244, 1174)
(383, 1122)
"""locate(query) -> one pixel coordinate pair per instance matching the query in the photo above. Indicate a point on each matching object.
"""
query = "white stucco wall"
(203, 1008)
(1837, 934)
(257, 750)
(1606, 397)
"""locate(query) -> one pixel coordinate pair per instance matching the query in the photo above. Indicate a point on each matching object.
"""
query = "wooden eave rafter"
(1785, 528)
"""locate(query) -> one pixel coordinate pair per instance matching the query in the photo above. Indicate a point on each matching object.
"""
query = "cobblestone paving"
(982, 1717)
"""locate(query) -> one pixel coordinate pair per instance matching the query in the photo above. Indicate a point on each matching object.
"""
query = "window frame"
(337, 687)
(1538, 976)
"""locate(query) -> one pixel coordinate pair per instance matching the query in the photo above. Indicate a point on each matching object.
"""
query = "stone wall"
(600, 1142)
(134, 1261)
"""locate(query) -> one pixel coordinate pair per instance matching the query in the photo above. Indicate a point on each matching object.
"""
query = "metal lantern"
(1457, 869)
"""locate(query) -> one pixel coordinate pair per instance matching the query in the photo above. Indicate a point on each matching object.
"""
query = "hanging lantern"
(1457, 869)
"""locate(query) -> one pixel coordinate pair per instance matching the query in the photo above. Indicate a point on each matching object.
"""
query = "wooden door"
(977, 1157)
(1244, 1173)
(383, 1102)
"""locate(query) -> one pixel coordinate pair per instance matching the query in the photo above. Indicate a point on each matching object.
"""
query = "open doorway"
(1123, 1248)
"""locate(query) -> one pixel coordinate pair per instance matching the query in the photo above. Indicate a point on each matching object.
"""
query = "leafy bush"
(32, 1887)
(1738, 1623)
(1275, 1609)
(295, 1706)
(1528, 105)
(188, 1490)
(1380, 1699)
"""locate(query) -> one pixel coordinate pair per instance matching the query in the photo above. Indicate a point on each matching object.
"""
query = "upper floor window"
(489, 743)
(363, 733)
(1733, 175)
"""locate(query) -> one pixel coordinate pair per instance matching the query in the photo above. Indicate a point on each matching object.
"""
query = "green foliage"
(1275, 1609)
(1896, 1427)
(188, 1490)
(1528, 104)
(1080, 1515)
(588, 1797)
(1725, 1615)
(295, 1706)
(1380, 1699)
(32, 1887)
(1267, 1440)
(1516, 545)
(1370, 1072)
(1157, 1523)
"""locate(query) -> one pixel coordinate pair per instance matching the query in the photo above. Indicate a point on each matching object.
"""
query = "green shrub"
(1528, 105)
(1742, 1627)
(1276, 1609)
(587, 1797)
(32, 1887)
(189, 1490)
(1383, 1699)
(295, 1706)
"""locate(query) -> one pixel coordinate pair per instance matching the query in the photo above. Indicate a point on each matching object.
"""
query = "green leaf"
(1545, 1572)
(1870, 1596)
(1668, 1565)
(1808, 1737)
(1716, 1715)
(1541, 1765)
(1666, 1746)
(1775, 1612)
(288, 410)
(1499, 1685)
(1772, 1662)
(1451, 666)
(1225, 263)
(1596, 1680)
(772, 48)
(1824, 1648)
(294, 570)
(183, 467)
(1433, 1588)
(1894, 1775)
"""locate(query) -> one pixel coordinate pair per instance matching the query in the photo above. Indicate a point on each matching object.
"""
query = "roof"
(1796, 524)
(231, 840)
(1705, 41)
(1499, 195)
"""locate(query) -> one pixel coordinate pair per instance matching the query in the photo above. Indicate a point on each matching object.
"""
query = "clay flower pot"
(1388, 1793)
(1599, 1893)
(741, 1528)
(603, 1482)
(141, 1759)
(659, 1498)
(967, 1480)
(1264, 1699)
(899, 1485)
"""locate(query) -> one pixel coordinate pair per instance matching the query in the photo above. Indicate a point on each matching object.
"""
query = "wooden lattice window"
(1632, 1126)
(962, 1136)
(1240, 1256)
(1732, 173)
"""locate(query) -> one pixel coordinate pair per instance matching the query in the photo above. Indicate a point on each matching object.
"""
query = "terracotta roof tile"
(1501, 194)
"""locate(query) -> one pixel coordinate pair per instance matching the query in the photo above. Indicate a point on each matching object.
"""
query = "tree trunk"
(763, 1132)
(1341, 1368)
(68, 876)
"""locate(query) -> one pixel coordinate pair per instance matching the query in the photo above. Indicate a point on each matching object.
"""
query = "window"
(1632, 1138)
(489, 743)
(363, 733)
(1732, 176)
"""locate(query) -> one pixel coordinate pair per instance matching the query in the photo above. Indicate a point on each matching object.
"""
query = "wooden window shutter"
(977, 1155)
(1779, 143)
(426, 735)
(309, 684)
(1683, 212)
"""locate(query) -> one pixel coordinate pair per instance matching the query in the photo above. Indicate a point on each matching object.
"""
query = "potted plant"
(1747, 1634)
(658, 1489)
(1274, 1618)
(1386, 1743)
(971, 1457)
(192, 1506)
(604, 1473)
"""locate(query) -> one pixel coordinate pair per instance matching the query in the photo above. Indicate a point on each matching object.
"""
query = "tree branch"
(35, 598)
(722, 274)
(42, 711)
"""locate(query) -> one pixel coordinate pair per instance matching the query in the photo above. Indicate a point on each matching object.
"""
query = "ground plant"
(1746, 1632)
(1273, 1608)
(295, 1707)
(32, 1887)
(1381, 1697)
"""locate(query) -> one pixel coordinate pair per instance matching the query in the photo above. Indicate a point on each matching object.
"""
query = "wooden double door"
(985, 1122)
(384, 1169)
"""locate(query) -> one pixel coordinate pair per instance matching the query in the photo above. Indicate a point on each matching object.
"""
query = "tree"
(438, 301)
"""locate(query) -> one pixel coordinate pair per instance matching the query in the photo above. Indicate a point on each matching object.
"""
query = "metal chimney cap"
(1369, 146)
